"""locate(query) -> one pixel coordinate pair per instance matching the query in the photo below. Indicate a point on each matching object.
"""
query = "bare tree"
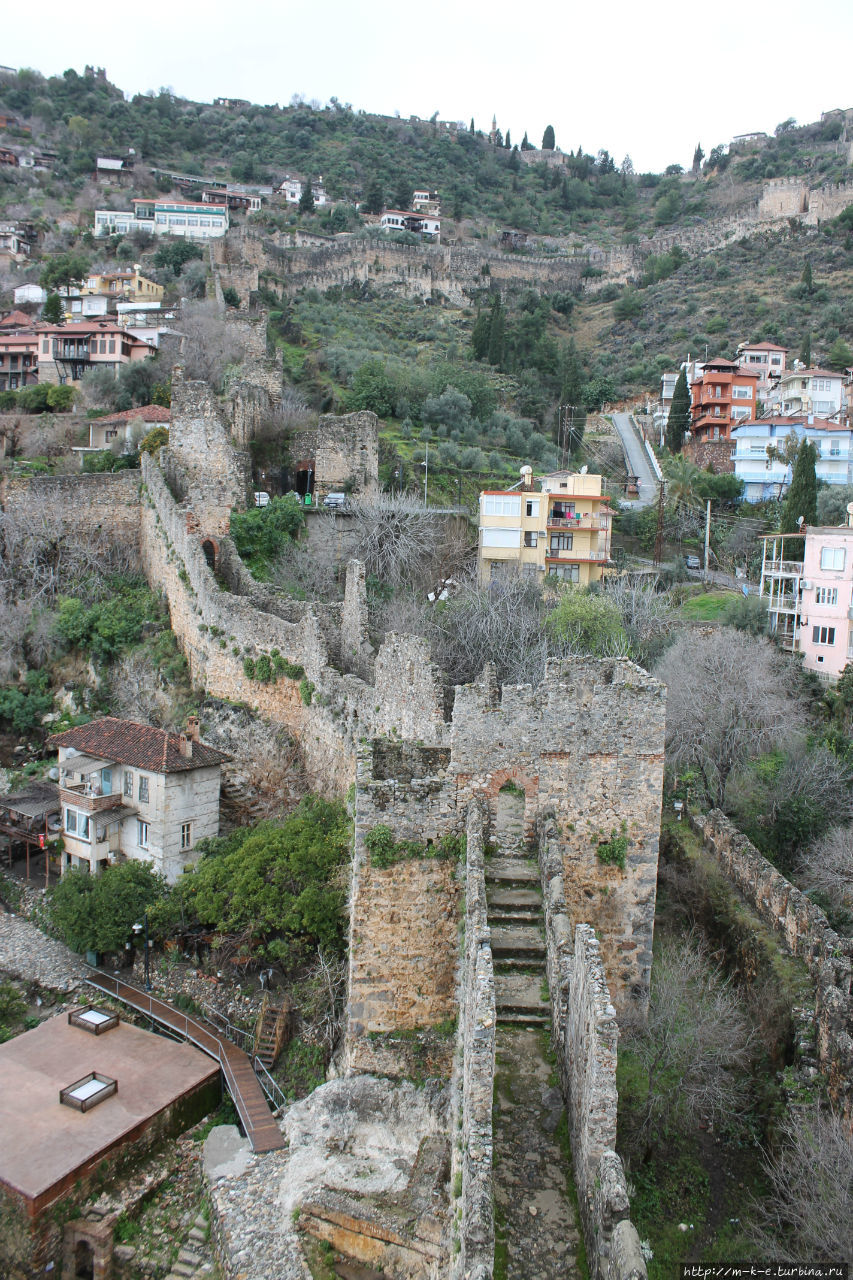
(694, 1047)
(137, 692)
(730, 697)
(807, 1212)
(647, 613)
(828, 869)
(209, 345)
(396, 538)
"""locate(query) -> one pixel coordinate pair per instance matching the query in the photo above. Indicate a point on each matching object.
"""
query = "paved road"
(638, 460)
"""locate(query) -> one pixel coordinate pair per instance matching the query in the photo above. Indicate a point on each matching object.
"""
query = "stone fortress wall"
(804, 931)
(456, 272)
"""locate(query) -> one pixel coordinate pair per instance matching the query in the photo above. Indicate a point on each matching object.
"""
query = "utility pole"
(659, 530)
(425, 465)
(707, 536)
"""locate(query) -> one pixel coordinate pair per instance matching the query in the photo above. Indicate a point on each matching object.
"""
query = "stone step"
(520, 993)
(197, 1235)
(524, 1019)
(524, 964)
(512, 919)
(503, 896)
(190, 1258)
(518, 941)
(512, 871)
(181, 1269)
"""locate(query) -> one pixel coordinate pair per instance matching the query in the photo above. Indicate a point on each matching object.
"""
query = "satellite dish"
(799, 522)
(584, 469)
(850, 508)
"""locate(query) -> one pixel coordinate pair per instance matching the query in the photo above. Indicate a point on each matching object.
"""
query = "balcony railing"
(83, 797)
(573, 557)
(789, 568)
(578, 522)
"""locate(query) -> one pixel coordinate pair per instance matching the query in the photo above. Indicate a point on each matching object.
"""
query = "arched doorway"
(84, 1260)
(211, 553)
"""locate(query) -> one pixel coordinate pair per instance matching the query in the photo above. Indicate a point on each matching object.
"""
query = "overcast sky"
(650, 80)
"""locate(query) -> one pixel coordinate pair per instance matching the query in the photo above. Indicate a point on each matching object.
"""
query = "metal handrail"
(198, 1036)
(239, 1035)
(269, 1086)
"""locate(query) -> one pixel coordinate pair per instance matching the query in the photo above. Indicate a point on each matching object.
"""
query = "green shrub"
(384, 850)
(614, 851)
(97, 913)
(306, 691)
(22, 707)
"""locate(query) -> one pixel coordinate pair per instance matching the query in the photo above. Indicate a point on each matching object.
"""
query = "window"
(143, 789)
(501, 537)
(531, 538)
(141, 833)
(186, 835)
(826, 595)
(832, 557)
(562, 541)
(77, 824)
(567, 572)
(741, 393)
(128, 784)
(718, 391)
(531, 507)
(823, 635)
(499, 504)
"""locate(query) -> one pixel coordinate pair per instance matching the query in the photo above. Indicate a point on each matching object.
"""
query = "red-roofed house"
(724, 394)
(15, 321)
(767, 360)
(818, 391)
(122, 430)
(68, 351)
(128, 790)
(18, 360)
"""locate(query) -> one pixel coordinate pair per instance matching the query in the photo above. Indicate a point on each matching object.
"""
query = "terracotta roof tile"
(148, 413)
(139, 745)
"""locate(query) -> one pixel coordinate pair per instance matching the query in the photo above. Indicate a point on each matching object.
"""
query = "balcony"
(578, 522)
(86, 799)
(571, 557)
(783, 568)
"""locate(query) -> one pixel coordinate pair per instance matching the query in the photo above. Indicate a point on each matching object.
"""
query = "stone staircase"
(514, 902)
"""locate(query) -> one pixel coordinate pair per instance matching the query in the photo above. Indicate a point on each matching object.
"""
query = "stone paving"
(535, 1218)
(27, 954)
(535, 1221)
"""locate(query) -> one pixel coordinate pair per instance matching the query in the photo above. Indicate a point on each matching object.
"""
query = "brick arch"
(210, 547)
(529, 783)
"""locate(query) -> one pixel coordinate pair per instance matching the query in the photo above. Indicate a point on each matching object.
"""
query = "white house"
(130, 791)
(30, 293)
(293, 186)
(419, 223)
(193, 219)
(817, 391)
(768, 360)
(766, 478)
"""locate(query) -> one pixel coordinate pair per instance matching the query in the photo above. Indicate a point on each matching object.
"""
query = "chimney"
(192, 728)
(186, 746)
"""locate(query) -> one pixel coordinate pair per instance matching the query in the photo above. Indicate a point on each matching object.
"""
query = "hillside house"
(18, 360)
(114, 169)
(15, 246)
(121, 430)
(66, 352)
(764, 477)
(560, 530)
(767, 360)
(129, 791)
(30, 293)
(417, 223)
(721, 395)
(817, 391)
(293, 186)
(129, 284)
(810, 596)
(193, 219)
(427, 202)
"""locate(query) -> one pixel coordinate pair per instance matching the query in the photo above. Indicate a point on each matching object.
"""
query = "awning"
(84, 765)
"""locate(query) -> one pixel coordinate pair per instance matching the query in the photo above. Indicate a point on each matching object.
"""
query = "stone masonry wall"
(216, 475)
(104, 503)
(805, 932)
(587, 1057)
(477, 1034)
(343, 453)
(403, 918)
(587, 746)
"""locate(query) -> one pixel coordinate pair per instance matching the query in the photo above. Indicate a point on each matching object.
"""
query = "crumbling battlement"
(342, 452)
(202, 462)
(88, 505)
(805, 932)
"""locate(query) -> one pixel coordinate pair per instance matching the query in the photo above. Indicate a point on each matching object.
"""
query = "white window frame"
(186, 835)
(144, 789)
(501, 504)
(833, 558)
(127, 789)
(826, 595)
(142, 833)
(78, 824)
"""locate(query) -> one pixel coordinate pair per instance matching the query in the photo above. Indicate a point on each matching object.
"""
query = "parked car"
(335, 500)
(693, 562)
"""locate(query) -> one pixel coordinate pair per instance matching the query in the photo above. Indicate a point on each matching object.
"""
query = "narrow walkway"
(536, 1225)
(249, 1098)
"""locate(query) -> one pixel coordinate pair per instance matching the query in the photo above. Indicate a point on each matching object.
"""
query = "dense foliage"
(97, 913)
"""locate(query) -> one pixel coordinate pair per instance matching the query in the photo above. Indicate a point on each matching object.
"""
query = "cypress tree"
(801, 498)
(807, 278)
(480, 335)
(306, 200)
(525, 144)
(806, 351)
(507, 142)
(473, 130)
(679, 415)
(497, 333)
(548, 140)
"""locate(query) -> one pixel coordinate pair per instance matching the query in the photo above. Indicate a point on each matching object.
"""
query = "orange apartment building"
(722, 396)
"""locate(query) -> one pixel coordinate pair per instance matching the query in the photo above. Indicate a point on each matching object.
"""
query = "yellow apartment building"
(130, 285)
(560, 529)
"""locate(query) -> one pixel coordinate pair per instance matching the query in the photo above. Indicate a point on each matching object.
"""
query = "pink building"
(810, 601)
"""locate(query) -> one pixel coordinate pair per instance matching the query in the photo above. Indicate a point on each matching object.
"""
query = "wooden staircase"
(273, 1028)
